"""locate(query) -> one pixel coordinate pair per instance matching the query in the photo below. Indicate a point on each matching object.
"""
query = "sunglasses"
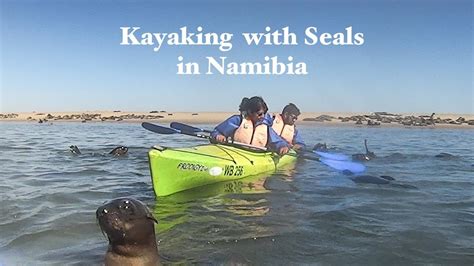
(259, 113)
(293, 117)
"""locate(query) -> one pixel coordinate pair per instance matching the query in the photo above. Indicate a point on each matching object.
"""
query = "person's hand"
(220, 138)
(283, 150)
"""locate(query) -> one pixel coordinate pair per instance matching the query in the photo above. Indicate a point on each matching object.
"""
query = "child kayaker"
(251, 127)
(284, 126)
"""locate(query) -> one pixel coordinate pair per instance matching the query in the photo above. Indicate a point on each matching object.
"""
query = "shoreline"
(376, 119)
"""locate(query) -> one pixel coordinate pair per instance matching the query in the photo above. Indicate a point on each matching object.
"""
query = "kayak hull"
(178, 169)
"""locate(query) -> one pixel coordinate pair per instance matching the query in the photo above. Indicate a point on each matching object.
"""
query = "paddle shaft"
(185, 127)
(338, 165)
(332, 156)
(334, 160)
(166, 130)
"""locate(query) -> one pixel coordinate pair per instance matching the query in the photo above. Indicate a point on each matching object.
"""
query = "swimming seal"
(379, 180)
(129, 226)
(119, 151)
(320, 147)
(364, 157)
(445, 155)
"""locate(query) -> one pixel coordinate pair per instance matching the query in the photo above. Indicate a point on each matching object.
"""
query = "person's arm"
(268, 119)
(276, 143)
(228, 127)
(298, 141)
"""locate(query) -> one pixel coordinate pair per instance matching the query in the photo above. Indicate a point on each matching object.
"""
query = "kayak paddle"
(333, 156)
(181, 126)
(167, 131)
(335, 164)
(344, 165)
(327, 155)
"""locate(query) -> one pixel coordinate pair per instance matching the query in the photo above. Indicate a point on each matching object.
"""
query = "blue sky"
(66, 56)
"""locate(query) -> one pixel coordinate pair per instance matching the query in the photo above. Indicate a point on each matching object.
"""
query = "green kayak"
(177, 169)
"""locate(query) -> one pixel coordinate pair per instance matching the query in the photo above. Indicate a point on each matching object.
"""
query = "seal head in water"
(119, 151)
(129, 226)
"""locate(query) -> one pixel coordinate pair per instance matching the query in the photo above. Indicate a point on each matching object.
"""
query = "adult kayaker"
(284, 126)
(251, 127)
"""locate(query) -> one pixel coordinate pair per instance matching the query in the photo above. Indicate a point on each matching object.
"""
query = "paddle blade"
(333, 156)
(344, 165)
(184, 127)
(158, 129)
(188, 128)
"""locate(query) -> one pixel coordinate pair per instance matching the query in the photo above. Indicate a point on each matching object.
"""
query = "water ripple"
(307, 215)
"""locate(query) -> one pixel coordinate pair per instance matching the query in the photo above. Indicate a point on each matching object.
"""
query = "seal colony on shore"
(345, 119)
(378, 118)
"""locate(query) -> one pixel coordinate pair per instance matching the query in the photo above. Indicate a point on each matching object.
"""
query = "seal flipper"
(369, 154)
(364, 157)
(74, 150)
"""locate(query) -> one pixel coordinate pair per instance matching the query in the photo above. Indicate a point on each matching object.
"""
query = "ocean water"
(307, 214)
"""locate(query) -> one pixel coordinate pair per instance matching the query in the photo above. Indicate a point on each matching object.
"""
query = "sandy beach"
(328, 118)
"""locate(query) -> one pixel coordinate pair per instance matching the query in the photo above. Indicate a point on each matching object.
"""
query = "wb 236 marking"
(233, 170)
